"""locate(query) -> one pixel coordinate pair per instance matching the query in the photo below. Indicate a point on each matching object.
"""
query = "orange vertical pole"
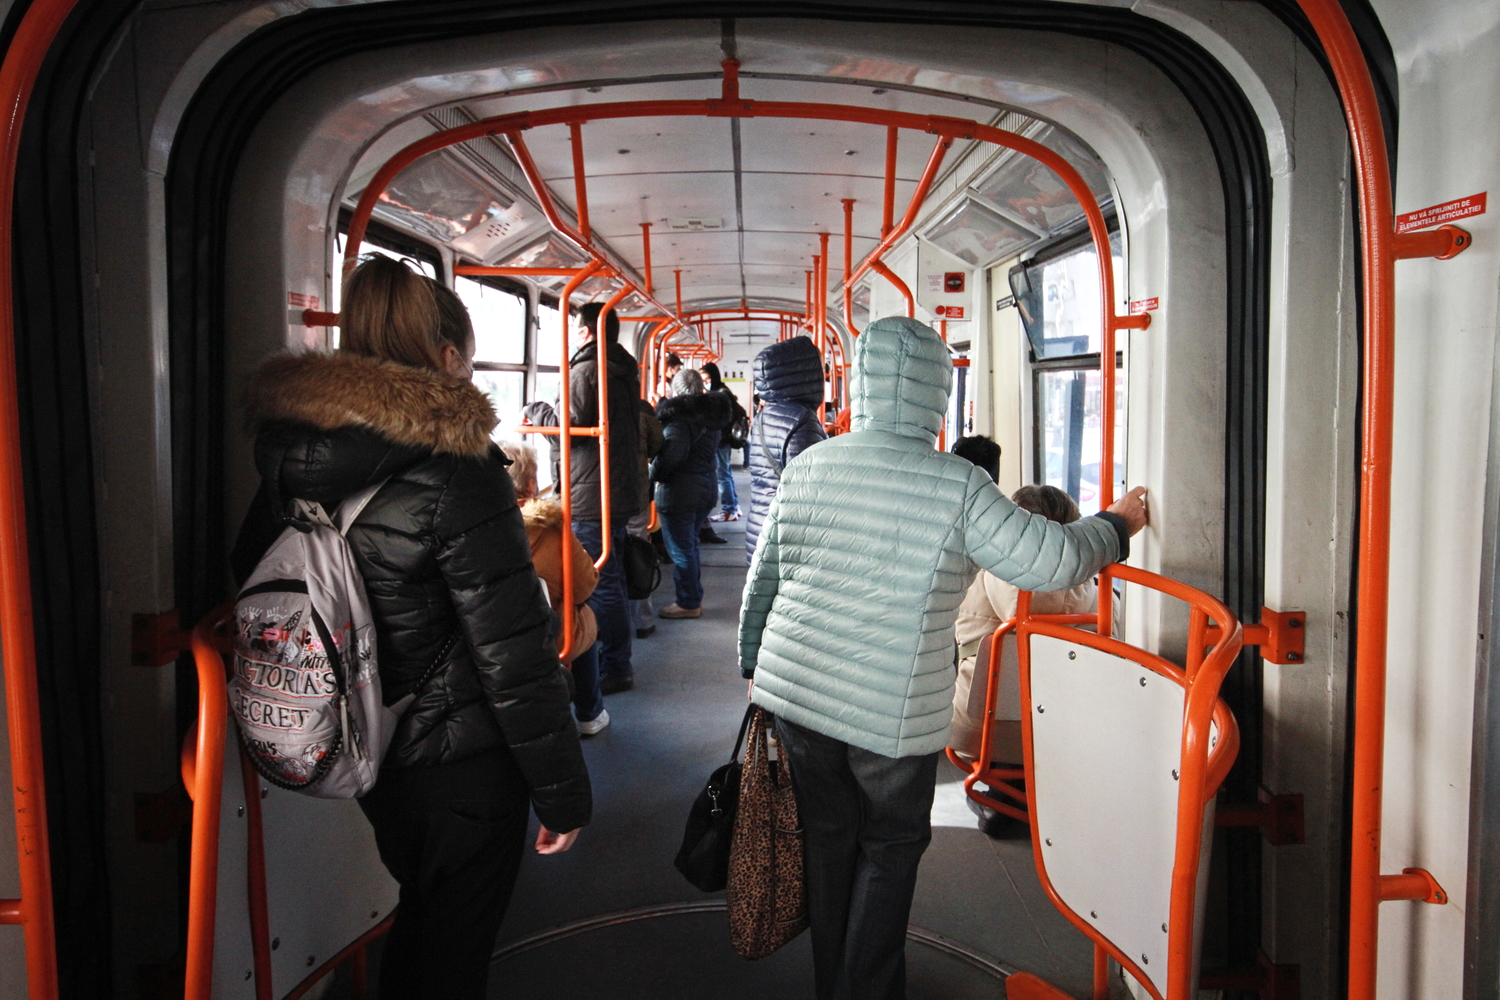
(679, 292)
(580, 182)
(888, 212)
(823, 290)
(23, 60)
(601, 358)
(646, 243)
(849, 266)
(1376, 231)
(565, 456)
(809, 307)
(816, 320)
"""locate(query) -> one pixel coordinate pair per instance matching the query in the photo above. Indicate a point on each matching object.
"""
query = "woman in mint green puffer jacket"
(869, 547)
(847, 630)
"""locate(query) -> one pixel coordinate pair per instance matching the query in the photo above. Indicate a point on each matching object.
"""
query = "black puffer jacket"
(442, 549)
(624, 445)
(789, 381)
(685, 472)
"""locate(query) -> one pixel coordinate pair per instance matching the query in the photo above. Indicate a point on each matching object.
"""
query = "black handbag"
(642, 568)
(704, 856)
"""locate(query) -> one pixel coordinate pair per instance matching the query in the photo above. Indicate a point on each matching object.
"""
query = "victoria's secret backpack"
(305, 691)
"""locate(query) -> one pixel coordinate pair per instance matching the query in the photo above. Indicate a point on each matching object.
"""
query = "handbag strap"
(739, 740)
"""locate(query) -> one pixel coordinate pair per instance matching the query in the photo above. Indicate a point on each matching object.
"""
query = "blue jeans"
(610, 601)
(867, 819)
(588, 700)
(679, 529)
(728, 498)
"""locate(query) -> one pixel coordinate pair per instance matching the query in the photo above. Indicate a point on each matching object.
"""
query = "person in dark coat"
(610, 600)
(730, 438)
(686, 480)
(461, 620)
(539, 413)
(789, 381)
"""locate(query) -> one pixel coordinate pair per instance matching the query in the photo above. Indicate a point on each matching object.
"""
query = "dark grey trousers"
(867, 821)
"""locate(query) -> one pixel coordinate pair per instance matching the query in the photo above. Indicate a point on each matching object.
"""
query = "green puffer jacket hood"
(901, 379)
(867, 552)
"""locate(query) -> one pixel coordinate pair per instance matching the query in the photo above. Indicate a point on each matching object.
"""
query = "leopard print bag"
(767, 895)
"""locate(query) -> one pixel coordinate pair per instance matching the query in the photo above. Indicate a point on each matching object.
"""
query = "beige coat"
(989, 602)
(544, 531)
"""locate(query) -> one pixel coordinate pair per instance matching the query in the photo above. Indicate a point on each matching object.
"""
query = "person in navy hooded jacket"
(789, 381)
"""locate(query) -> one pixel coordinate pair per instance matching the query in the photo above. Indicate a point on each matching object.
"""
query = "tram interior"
(1211, 146)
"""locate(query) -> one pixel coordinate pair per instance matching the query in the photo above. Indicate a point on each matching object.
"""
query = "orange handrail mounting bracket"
(1444, 243)
(156, 640)
(1280, 635)
(1413, 883)
(1279, 817)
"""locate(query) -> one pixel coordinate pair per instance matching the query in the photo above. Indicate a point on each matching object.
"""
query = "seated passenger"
(789, 382)
(685, 473)
(544, 532)
(988, 604)
(460, 618)
(847, 633)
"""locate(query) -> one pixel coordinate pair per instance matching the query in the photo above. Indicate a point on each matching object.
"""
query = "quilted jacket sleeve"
(1030, 551)
(677, 442)
(485, 559)
(760, 593)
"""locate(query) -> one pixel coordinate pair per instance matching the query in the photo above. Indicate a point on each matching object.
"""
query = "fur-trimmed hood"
(541, 514)
(409, 407)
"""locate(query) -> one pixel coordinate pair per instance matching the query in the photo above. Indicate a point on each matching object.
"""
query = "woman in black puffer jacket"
(461, 620)
(685, 473)
(789, 381)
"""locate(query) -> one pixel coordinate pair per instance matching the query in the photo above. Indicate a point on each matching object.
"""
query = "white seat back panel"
(1106, 738)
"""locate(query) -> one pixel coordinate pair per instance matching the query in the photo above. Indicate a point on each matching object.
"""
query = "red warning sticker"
(1436, 215)
(1144, 305)
(950, 312)
(302, 299)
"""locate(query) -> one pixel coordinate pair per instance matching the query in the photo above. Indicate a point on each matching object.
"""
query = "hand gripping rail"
(1080, 692)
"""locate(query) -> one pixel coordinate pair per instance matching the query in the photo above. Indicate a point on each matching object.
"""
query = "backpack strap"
(760, 439)
(354, 505)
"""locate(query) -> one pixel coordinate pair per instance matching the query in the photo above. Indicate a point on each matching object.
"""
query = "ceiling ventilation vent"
(695, 224)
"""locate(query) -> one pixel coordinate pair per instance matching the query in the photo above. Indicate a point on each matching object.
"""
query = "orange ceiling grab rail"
(33, 911)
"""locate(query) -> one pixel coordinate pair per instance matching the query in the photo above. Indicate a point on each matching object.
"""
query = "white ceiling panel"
(618, 204)
(822, 147)
(652, 145)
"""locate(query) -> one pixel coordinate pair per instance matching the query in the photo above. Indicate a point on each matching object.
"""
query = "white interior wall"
(1448, 57)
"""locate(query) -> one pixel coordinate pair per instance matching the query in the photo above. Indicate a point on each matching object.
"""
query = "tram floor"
(613, 920)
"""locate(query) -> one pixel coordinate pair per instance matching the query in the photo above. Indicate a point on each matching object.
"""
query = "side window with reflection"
(1058, 298)
(499, 317)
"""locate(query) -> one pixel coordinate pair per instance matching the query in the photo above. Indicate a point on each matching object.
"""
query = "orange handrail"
(1379, 252)
(33, 911)
(1204, 762)
(203, 776)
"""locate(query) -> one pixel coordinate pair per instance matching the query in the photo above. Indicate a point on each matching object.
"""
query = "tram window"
(1058, 298)
(424, 265)
(507, 393)
(548, 337)
(548, 386)
(499, 322)
(1069, 423)
(961, 401)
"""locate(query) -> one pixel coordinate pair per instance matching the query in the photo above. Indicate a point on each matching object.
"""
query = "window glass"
(367, 248)
(547, 386)
(548, 336)
(960, 403)
(506, 391)
(499, 321)
(1069, 433)
(1059, 302)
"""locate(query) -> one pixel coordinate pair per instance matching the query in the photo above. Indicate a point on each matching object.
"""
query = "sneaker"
(731, 515)
(645, 633)
(719, 515)
(673, 611)
(707, 537)
(616, 683)
(595, 725)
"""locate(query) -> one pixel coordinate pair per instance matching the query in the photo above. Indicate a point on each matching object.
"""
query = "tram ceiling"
(737, 205)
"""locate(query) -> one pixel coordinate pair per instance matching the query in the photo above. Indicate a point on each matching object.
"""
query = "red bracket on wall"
(1279, 634)
(1267, 980)
(156, 640)
(1278, 816)
(1413, 883)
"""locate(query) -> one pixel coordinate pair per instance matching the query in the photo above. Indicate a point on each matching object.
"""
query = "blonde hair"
(390, 312)
(522, 467)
